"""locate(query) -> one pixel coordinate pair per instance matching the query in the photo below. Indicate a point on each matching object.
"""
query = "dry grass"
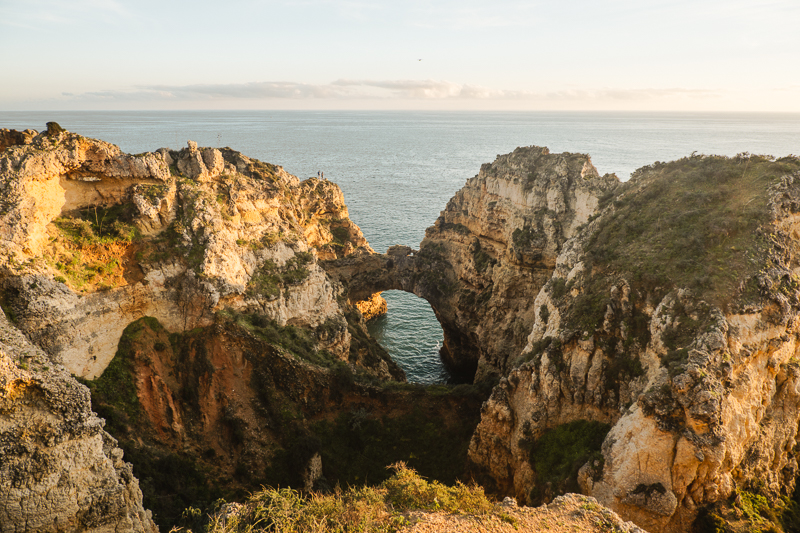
(362, 509)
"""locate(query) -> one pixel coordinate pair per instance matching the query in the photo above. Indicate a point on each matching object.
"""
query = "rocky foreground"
(636, 342)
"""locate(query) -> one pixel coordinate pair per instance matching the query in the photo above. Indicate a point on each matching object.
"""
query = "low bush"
(363, 509)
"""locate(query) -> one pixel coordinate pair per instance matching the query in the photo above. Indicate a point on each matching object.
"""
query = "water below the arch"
(398, 169)
(410, 333)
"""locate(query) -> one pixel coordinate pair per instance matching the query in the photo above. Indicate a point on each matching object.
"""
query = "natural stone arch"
(419, 273)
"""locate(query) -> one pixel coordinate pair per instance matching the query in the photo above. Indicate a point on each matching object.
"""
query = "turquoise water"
(399, 169)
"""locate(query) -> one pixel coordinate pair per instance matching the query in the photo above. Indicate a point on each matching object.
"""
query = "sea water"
(399, 169)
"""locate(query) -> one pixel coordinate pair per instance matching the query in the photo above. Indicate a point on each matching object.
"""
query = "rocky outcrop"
(671, 322)
(372, 307)
(59, 471)
(644, 336)
(488, 255)
(496, 244)
(95, 239)
(653, 323)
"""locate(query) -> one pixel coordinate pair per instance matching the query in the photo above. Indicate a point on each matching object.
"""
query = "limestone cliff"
(669, 330)
(94, 239)
(59, 471)
(488, 255)
(644, 334)
(496, 244)
(95, 243)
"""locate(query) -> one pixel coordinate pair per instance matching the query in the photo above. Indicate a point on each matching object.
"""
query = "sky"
(637, 55)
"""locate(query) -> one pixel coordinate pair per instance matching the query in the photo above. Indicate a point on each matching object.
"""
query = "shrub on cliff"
(366, 509)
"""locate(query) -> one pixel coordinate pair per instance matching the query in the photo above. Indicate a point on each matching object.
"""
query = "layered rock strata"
(95, 240)
(488, 255)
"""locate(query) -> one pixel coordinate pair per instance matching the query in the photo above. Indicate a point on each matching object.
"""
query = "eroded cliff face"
(59, 471)
(496, 245)
(95, 242)
(223, 410)
(671, 322)
(488, 255)
(95, 239)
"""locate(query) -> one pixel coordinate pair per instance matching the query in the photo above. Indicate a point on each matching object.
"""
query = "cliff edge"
(659, 372)
(183, 288)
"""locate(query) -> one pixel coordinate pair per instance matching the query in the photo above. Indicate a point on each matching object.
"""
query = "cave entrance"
(411, 334)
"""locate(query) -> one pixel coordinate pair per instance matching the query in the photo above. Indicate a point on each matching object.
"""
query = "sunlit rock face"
(218, 231)
(197, 240)
(671, 320)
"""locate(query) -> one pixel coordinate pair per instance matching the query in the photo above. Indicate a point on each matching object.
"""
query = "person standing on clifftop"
(319, 174)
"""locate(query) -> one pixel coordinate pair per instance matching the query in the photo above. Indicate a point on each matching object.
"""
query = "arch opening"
(412, 335)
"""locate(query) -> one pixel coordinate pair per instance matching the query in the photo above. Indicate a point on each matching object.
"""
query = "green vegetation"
(90, 246)
(363, 509)
(549, 345)
(558, 454)
(170, 481)
(750, 512)
(689, 223)
(266, 281)
(429, 427)
(294, 270)
(269, 278)
(359, 443)
(341, 235)
(459, 228)
(558, 288)
(481, 259)
(523, 237)
(114, 395)
(300, 342)
(100, 225)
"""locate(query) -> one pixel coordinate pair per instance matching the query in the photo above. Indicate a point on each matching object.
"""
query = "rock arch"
(425, 274)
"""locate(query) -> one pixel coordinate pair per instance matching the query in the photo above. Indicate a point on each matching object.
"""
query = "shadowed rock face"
(59, 471)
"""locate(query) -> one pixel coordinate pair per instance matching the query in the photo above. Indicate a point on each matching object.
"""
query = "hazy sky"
(727, 55)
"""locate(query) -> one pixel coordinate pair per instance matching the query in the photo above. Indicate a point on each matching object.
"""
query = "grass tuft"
(362, 509)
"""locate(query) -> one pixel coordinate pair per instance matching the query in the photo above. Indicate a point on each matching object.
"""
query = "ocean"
(398, 169)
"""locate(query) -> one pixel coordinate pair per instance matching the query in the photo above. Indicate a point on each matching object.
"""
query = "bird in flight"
(419, 60)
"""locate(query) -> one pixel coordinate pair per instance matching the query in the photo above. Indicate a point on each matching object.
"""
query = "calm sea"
(399, 169)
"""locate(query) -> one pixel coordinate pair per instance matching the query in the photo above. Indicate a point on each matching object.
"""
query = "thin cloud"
(379, 89)
(253, 90)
